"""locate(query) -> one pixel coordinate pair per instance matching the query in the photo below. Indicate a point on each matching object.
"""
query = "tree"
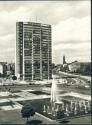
(27, 111)
(14, 78)
(60, 114)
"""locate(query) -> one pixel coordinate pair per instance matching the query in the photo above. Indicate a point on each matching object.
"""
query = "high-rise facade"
(33, 51)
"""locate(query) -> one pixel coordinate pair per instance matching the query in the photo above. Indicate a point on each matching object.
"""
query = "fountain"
(89, 106)
(71, 106)
(48, 109)
(67, 111)
(44, 108)
(57, 109)
(61, 107)
(80, 104)
(86, 111)
(53, 91)
(75, 109)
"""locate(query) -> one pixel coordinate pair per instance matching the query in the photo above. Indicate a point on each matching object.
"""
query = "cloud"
(70, 22)
(72, 38)
(80, 52)
(7, 54)
(73, 29)
(73, 46)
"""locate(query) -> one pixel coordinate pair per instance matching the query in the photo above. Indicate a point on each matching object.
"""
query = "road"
(75, 83)
(15, 87)
(73, 75)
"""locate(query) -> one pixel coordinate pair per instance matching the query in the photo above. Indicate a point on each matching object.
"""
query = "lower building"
(74, 66)
(1, 68)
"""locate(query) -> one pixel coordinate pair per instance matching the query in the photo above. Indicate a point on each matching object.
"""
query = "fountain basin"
(59, 110)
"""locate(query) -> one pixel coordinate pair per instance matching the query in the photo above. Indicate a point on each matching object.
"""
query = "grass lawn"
(81, 120)
(13, 117)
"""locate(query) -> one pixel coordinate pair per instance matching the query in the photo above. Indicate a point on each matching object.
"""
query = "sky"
(71, 27)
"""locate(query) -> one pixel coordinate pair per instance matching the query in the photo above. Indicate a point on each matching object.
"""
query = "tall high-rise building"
(33, 51)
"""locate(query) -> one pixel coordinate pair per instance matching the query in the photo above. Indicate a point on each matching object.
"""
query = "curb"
(44, 117)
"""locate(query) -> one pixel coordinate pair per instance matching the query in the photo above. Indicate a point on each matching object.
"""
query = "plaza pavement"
(24, 95)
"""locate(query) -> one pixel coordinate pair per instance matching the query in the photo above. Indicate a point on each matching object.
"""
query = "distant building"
(10, 68)
(83, 68)
(64, 60)
(33, 51)
(7, 68)
(74, 66)
(1, 68)
(65, 65)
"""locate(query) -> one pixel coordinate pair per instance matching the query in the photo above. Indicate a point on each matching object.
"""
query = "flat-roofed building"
(1, 68)
(33, 51)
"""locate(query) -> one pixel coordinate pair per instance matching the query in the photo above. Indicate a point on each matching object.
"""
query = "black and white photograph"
(45, 62)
